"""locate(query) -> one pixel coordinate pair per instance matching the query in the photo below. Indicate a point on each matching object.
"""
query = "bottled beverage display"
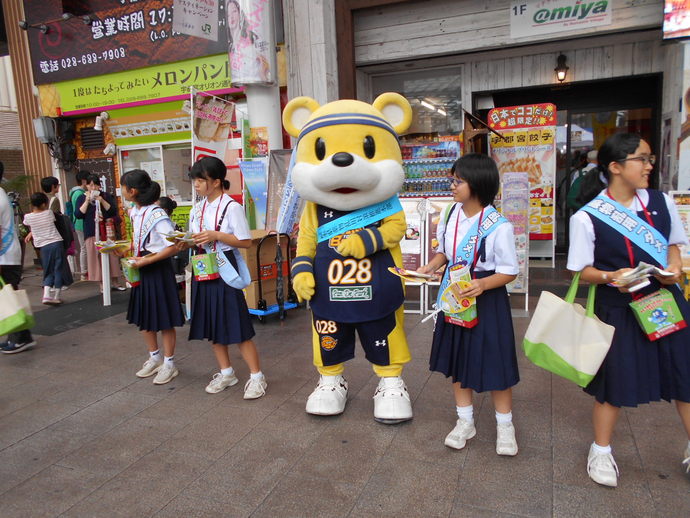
(427, 162)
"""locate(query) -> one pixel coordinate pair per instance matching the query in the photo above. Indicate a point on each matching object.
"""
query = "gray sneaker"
(150, 368)
(220, 383)
(255, 388)
(165, 374)
(458, 437)
(686, 462)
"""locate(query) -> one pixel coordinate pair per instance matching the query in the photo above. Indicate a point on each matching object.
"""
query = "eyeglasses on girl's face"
(645, 159)
(455, 181)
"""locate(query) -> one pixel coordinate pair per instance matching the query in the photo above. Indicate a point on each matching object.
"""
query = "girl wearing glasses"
(471, 233)
(604, 244)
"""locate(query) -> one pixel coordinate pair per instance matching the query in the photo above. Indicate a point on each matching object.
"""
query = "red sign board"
(525, 116)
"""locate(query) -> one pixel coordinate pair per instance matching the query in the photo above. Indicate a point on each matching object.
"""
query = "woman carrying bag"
(623, 223)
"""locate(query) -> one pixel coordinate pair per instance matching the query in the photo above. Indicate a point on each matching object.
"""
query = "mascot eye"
(369, 147)
(320, 148)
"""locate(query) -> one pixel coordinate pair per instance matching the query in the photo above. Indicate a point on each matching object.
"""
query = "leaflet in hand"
(110, 246)
(637, 278)
(176, 235)
(411, 275)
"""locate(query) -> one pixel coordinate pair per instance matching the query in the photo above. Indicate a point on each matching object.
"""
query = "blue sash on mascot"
(490, 222)
(359, 218)
(630, 225)
(233, 278)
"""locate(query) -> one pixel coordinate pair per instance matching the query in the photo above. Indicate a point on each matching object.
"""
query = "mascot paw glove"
(353, 246)
(303, 284)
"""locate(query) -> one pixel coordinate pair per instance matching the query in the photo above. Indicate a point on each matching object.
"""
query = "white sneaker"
(459, 436)
(165, 374)
(392, 401)
(220, 382)
(150, 368)
(505, 439)
(602, 468)
(255, 388)
(329, 396)
(686, 462)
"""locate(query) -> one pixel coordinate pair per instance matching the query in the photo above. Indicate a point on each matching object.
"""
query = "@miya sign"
(534, 17)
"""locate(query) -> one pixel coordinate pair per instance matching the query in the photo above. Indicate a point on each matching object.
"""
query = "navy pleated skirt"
(637, 370)
(154, 305)
(219, 312)
(482, 357)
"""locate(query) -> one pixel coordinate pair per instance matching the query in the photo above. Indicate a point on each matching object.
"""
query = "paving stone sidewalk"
(81, 436)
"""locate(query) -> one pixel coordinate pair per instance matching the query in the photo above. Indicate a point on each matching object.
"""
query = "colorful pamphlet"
(109, 247)
(411, 275)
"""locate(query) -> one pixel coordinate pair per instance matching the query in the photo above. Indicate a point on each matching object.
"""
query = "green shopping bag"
(566, 339)
(15, 310)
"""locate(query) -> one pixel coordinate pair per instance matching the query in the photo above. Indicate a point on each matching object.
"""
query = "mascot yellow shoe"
(349, 169)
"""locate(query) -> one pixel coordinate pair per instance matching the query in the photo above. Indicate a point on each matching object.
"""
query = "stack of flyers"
(637, 278)
(110, 246)
(411, 275)
(176, 235)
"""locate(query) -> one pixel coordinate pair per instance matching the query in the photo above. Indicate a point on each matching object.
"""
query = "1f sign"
(529, 18)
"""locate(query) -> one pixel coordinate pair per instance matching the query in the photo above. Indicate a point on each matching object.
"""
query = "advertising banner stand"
(529, 146)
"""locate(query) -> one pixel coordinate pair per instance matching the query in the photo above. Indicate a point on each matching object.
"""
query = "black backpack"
(64, 227)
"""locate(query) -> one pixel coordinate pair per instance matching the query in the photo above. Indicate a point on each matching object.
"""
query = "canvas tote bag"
(566, 339)
(15, 310)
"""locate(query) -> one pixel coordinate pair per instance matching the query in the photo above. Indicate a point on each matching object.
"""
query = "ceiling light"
(428, 105)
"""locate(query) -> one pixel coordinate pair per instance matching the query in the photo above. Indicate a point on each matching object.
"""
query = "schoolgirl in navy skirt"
(154, 304)
(218, 311)
(636, 369)
(480, 358)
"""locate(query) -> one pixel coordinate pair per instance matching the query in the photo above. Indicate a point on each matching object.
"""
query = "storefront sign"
(144, 86)
(528, 145)
(529, 18)
(196, 17)
(122, 35)
(250, 41)
(676, 19)
(211, 120)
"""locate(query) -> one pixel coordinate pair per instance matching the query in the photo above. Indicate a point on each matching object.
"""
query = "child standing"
(636, 370)
(47, 239)
(219, 310)
(480, 358)
(153, 303)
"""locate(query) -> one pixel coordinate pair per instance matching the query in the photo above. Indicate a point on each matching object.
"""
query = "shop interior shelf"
(427, 179)
(425, 194)
(429, 160)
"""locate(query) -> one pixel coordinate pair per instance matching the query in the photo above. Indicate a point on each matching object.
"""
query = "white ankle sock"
(227, 372)
(504, 418)
(169, 360)
(155, 355)
(601, 449)
(47, 292)
(466, 413)
(256, 375)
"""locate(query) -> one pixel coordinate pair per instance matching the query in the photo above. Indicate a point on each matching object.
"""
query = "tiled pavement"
(81, 436)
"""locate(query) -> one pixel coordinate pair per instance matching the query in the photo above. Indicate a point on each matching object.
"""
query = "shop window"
(435, 97)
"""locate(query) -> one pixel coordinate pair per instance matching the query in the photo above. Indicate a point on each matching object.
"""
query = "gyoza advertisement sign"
(534, 17)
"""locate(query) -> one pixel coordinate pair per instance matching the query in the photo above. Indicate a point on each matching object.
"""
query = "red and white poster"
(211, 120)
(527, 144)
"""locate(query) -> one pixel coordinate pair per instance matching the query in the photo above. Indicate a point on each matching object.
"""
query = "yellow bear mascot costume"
(349, 169)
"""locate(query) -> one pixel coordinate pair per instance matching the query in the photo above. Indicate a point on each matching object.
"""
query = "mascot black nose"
(342, 159)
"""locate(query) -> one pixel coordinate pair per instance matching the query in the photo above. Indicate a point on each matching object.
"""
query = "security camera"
(109, 149)
(100, 119)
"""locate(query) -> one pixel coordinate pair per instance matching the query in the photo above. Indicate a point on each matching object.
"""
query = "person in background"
(169, 205)
(70, 210)
(93, 207)
(51, 186)
(11, 268)
(48, 240)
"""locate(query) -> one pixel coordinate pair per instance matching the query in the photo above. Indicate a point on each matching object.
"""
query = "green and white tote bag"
(566, 339)
(15, 310)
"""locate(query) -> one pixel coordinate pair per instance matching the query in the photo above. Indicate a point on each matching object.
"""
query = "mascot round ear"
(297, 113)
(396, 110)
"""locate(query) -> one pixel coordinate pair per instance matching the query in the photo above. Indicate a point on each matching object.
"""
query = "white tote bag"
(15, 310)
(567, 339)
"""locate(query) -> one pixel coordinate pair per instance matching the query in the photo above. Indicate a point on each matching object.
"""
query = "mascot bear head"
(348, 156)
